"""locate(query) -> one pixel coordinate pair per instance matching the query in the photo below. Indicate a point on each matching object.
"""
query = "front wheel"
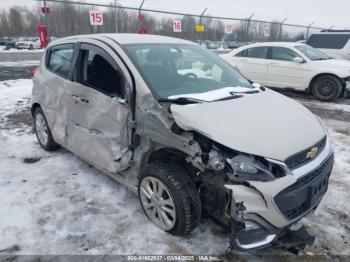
(169, 197)
(326, 88)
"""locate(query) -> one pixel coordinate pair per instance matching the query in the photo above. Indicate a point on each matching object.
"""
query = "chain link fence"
(67, 17)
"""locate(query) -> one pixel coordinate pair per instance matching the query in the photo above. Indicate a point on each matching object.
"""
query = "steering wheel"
(190, 75)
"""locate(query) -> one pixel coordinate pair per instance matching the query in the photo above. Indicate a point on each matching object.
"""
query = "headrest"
(156, 55)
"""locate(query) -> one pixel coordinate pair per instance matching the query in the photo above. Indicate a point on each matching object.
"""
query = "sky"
(324, 13)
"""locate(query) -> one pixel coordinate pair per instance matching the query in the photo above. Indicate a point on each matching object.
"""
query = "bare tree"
(16, 21)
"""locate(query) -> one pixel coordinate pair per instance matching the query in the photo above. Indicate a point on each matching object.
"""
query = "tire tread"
(185, 193)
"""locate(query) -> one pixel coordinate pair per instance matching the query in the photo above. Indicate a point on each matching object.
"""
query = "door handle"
(84, 100)
(274, 63)
(78, 99)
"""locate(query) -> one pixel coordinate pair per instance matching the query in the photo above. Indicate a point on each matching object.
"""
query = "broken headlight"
(246, 168)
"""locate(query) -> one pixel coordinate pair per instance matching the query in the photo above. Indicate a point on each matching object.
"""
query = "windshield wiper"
(181, 100)
(247, 92)
(324, 58)
(229, 98)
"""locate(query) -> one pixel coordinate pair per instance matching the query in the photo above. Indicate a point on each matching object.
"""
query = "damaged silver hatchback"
(188, 133)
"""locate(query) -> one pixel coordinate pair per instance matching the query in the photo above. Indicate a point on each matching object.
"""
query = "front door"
(98, 114)
(283, 72)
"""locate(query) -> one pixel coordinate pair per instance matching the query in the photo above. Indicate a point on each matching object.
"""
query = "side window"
(242, 53)
(60, 59)
(283, 54)
(257, 52)
(98, 70)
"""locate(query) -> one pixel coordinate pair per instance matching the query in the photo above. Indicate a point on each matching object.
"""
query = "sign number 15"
(96, 18)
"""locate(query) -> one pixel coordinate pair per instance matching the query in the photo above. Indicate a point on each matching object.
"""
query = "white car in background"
(293, 66)
(29, 43)
(335, 43)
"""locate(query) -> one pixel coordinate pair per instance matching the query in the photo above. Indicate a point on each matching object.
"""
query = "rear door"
(283, 72)
(252, 63)
(98, 109)
(58, 66)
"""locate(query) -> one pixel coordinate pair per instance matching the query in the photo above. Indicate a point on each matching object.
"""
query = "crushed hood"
(265, 124)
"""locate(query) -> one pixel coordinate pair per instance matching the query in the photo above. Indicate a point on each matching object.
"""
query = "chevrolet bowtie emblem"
(312, 153)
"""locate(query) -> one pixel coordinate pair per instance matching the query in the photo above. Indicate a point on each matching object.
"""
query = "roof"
(282, 44)
(135, 38)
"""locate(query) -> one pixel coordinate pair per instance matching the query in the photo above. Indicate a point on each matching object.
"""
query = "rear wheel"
(326, 88)
(31, 47)
(43, 132)
(169, 197)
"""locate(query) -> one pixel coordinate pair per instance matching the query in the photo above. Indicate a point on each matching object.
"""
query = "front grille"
(299, 197)
(300, 158)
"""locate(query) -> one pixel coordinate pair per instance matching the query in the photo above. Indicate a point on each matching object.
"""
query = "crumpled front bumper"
(247, 240)
(274, 209)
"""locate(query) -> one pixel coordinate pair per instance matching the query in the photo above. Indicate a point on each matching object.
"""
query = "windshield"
(313, 53)
(173, 70)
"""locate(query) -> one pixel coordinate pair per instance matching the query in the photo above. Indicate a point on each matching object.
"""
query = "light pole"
(248, 25)
(308, 30)
(281, 24)
(201, 23)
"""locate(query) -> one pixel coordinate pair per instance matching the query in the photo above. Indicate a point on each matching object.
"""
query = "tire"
(180, 188)
(31, 47)
(326, 88)
(41, 128)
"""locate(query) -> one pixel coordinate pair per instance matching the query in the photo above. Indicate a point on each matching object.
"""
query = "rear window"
(255, 52)
(328, 41)
(60, 59)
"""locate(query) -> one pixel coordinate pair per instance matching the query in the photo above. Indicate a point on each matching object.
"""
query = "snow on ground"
(20, 63)
(54, 203)
(15, 50)
(325, 105)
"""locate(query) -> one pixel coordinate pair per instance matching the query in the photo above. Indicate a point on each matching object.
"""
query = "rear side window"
(255, 52)
(328, 41)
(60, 59)
(283, 54)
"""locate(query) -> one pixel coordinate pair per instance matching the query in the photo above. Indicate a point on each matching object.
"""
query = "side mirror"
(298, 60)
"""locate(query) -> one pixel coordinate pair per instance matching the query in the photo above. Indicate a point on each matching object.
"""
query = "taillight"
(34, 73)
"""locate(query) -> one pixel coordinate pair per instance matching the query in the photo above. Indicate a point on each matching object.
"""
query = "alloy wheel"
(41, 128)
(158, 203)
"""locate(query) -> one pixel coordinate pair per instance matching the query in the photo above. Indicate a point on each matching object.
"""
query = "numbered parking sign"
(267, 31)
(177, 26)
(96, 18)
(229, 29)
